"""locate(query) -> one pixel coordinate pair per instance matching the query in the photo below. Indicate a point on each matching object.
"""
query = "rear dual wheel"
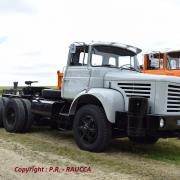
(28, 115)
(17, 115)
(3, 103)
(1, 112)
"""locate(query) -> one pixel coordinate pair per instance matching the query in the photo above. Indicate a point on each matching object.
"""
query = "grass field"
(4, 87)
(159, 161)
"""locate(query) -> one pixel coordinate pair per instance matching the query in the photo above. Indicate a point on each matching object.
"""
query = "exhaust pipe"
(15, 85)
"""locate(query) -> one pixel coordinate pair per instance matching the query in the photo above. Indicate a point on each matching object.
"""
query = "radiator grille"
(173, 101)
(136, 89)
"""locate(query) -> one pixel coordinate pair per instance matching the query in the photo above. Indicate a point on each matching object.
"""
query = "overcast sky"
(35, 34)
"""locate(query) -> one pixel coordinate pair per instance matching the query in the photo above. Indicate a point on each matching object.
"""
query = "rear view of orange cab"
(164, 63)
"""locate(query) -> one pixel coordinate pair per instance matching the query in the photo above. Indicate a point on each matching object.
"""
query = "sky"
(35, 34)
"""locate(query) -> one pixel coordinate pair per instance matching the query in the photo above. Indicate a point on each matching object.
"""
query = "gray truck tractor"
(104, 95)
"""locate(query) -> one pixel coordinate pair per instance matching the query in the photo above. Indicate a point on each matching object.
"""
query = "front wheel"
(144, 140)
(92, 131)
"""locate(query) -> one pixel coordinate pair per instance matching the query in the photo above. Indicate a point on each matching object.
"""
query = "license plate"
(178, 122)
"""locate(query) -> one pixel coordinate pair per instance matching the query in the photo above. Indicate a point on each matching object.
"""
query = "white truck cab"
(89, 63)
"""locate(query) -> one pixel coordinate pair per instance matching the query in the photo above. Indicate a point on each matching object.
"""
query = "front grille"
(173, 101)
(136, 89)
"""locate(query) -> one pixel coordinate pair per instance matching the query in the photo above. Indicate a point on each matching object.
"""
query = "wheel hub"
(88, 129)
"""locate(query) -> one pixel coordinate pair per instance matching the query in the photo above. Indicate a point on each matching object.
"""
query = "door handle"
(66, 80)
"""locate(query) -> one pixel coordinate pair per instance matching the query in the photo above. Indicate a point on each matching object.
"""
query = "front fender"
(110, 99)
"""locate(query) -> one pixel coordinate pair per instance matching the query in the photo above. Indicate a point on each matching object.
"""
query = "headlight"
(162, 123)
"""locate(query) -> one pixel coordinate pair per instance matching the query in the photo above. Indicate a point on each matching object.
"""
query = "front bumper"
(142, 125)
(171, 126)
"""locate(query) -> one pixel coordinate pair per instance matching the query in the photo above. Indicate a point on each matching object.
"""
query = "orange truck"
(164, 63)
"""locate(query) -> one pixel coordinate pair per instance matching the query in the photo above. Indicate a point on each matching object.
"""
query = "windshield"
(173, 60)
(111, 56)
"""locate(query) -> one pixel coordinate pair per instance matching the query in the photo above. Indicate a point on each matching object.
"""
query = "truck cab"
(88, 63)
(164, 63)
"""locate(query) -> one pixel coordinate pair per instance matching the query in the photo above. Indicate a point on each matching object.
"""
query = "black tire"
(144, 140)
(14, 119)
(92, 131)
(28, 115)
(1, 112)
(3, 103)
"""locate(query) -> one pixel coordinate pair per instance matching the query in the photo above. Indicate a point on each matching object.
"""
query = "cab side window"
(80, 57)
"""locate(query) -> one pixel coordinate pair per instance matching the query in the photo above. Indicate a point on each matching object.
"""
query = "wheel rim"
(11, 116)
(87, 129)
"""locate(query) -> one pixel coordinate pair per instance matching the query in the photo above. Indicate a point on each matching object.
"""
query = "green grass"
(4, 87)
(114, 159)
(167, 150)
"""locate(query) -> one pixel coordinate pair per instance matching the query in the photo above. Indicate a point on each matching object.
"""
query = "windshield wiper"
(131, 68)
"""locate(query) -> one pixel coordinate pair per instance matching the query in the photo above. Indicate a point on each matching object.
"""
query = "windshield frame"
(130, 56)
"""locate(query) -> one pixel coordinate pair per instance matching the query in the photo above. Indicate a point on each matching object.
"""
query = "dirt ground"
(26, 150)
(15, 155)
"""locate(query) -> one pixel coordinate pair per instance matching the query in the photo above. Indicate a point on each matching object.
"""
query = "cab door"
(77, 74)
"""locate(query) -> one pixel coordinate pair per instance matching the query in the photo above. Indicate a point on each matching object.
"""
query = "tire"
(92, 131)
(1, 112)
(144, 140)
(28, 115)
(14, 119)
(3, 103)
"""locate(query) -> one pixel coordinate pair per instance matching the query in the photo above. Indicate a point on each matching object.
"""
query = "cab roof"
(133, 49)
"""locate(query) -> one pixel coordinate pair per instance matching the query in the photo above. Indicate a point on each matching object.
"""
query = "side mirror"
(72, 48)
